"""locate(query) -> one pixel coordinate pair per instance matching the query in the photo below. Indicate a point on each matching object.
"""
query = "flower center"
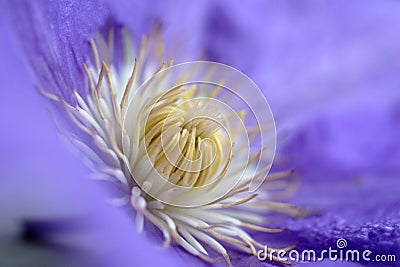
(184, 138)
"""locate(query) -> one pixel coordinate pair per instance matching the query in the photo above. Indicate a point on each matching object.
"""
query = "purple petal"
(54, 35)
(41, 181)
(306, 56)
(329, 71)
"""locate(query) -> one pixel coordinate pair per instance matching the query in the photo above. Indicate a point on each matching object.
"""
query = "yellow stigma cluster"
(184, 138)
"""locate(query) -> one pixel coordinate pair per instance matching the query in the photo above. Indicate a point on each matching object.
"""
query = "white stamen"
(181, 140)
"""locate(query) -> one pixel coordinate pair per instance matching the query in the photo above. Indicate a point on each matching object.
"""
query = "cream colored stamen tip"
(184, 139)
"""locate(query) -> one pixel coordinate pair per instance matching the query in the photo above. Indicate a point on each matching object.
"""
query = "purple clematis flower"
(190, 188)
(328, 70)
